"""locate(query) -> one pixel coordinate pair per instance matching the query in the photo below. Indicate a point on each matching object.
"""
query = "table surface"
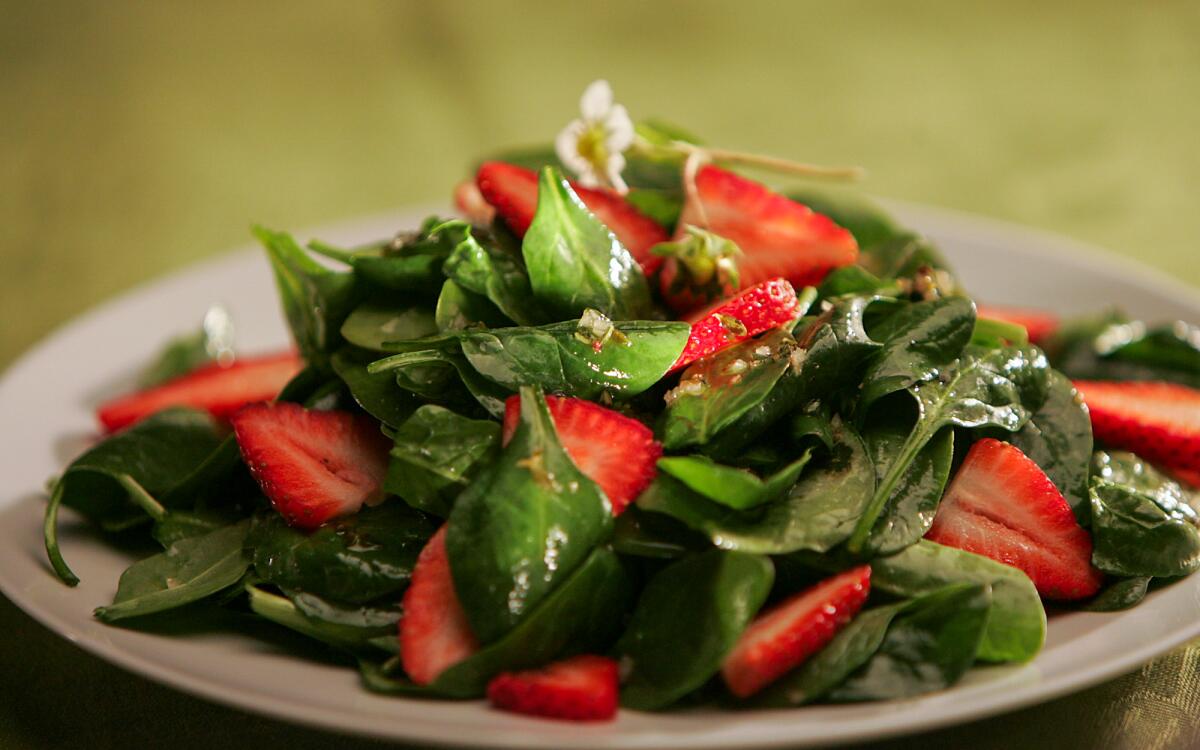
(137, 138)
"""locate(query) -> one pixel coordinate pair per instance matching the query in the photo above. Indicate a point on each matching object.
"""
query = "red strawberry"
(1189, 477)
(614, 451)
(471, 204)
(784, 637)
(312, 465)
(1038, 323)
(219, 390)
(1158, 421)
(434, 633)
(1001, 505)
(513, 190)
(582, 688)
(760, 308)
(697, 271)
(777, 236)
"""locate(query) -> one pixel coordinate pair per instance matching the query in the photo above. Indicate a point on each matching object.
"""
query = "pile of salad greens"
(831, 449)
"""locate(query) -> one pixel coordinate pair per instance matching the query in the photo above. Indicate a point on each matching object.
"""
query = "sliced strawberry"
(434, 633)
(513, 191)
(1189, 477)
(760, 308)
(219, 390)
(582, 688)
(1158, 421)
(1038, 323)
(1001, 505)
(471, 204)
(614, 451)
(312, 465)
(784, 637)
(777, 236)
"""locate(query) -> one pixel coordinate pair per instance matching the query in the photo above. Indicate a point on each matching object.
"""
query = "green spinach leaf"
(436, 454)
(1058, 438)
(1123, 594)
(494, 273)
(459, 309)
(732, 487)
(371, 324)
(1136, 533)
(378, 394)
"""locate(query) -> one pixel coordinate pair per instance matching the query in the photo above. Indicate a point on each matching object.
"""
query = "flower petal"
(596, 101)
(619, 129)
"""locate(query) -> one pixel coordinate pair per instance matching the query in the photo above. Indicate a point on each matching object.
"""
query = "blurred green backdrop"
(138, 137)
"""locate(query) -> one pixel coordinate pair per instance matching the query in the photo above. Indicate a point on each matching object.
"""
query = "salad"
(637, 430)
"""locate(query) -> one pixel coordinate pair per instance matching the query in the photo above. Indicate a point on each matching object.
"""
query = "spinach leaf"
(1058, 438)
(919, 341)
(445, 377)
(909, 512)
(356, 559)
(177, 525)
(350, 628)
(458, 309)
(1121, 467)
(186, 353)
(568, 358)
(856, 280)
(575, 262)
(1136, 533)
(188, 571)
(316, 300)
(1111, 347)
(654, 535)
(371, 324)
(864, 218)
(378, 395)
(1016, 627)
(1123, 594)
(687, 619)
(717, 390)
(436, 454)
(523, 525)
(410, 262)
(735, 488)
(849, 650)
(900, 256)
(583, 614)
(492, 272)
(817, 513)
(986, 387)
(928, 647)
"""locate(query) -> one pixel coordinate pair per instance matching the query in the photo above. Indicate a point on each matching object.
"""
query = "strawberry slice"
(582, 688)
(784, 637)
(1001, 505)
(513, 191)
(312, 465)
(615, 451)
(1038, 323)
(218, 389)
(434, 633)
(1189, 477)
(777, 236)
(760, 308)
(1158, 421)
(470, 203)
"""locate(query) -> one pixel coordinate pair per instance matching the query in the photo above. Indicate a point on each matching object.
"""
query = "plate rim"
(990, 230)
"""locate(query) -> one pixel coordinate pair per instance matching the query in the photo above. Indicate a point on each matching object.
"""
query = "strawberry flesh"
(777, 236)
(768, 305)
(513, 192)
(783, 638)
(615, 451)
(582, 688)
(218, 389)
(312, 465)
(1158, 421)
(1040, 325)
(470, 203)
(434, 633)
(1003, 506)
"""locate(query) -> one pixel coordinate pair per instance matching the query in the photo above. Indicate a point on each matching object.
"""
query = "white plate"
(45, 414)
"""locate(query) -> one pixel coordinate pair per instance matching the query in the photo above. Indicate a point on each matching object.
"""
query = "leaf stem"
(50, 537)
(702, 154)
(141, 498)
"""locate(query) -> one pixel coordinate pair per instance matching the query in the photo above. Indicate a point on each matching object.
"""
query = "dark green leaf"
(436, 454)
(523, 525)
(350, 628)
(1058, 437)
(371, 324)
(1125, 593)
(688, 618)
(378, 395)
(900, 256)
(459, 309)
(926, 648)
(181, 524)
(492, 272)
(575, 262)
(1136, 533)
(1111, 347)
(654, 535)
(356, 559)
(735, 488)
(188, 571)
(186, 353)
(817, 513)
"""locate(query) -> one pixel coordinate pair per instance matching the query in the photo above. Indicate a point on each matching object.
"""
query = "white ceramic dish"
(45, 414)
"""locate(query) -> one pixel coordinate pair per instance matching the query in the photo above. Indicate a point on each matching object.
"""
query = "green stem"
(329, 251)
(50, 536)
(141, 498)
(397, 361)
(913, 444)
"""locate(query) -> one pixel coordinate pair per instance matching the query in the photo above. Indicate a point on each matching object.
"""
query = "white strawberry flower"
(593, 146)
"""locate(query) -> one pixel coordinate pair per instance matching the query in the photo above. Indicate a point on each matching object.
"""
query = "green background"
(136, 138)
